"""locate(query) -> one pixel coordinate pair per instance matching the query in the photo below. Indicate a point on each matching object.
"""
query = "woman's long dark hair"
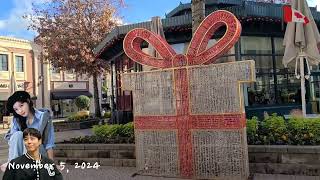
(22, 121)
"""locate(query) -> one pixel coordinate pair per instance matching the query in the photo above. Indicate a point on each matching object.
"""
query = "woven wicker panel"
(153, 92)
(220, 154)
(215, 88)
(157, 153)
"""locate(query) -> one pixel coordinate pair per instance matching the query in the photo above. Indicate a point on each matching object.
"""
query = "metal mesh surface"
(153, 92)
(157, 153)
(220, 154)
(216, 88)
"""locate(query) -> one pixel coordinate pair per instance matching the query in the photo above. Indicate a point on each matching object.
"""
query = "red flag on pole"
(292, 15)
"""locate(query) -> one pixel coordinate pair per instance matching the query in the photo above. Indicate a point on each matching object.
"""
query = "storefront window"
(63, 107)
(256, 45)
(288, 88)
(262, 91)
(275, 84)
(263, 64)
(278, 45)
(315, 84)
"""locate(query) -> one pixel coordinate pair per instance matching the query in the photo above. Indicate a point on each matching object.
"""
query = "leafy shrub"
(114, 131)
(275, 130)
(304, 131)
(107, 115)
(82, 102)
(128, 130)
(252, 129)
(78, 117)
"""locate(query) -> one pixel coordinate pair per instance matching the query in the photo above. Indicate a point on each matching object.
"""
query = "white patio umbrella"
(300, 43)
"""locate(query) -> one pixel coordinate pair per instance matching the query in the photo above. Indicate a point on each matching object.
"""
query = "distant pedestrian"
(56, 109)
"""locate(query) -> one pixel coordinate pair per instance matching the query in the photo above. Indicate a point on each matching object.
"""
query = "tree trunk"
(96, 96)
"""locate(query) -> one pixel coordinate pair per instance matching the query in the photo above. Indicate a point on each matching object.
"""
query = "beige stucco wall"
(20, 47)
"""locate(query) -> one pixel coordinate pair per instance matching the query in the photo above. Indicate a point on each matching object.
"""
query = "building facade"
(17, 68)
(23, 68)
(57, 89)
(276, 90)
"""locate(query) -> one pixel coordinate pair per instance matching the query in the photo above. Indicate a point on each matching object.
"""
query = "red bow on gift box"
(196, 54)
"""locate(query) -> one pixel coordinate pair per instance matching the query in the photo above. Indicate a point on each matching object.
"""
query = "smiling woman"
(25, 116)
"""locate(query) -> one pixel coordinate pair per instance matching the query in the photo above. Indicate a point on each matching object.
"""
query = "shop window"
(288, 89)
(256, 45)
(262, 91)
(19, 64)
(264, 64)
(278, 46)
(3, 62)
(315, 84)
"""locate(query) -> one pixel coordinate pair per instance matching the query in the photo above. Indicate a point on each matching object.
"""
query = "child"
(32, 165)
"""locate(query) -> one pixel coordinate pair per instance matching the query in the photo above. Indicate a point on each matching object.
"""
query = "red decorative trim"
(220, 121)
(155, 122)
(217, 121)
(196, 54)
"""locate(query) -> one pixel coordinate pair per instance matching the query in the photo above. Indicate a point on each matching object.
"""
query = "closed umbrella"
(301, 40)
(156, 27)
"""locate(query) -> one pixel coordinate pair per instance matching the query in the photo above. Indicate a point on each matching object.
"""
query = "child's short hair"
(32, 132)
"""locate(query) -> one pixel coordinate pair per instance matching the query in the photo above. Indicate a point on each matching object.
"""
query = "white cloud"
(118, 21)
(313, 3)
(15, 24)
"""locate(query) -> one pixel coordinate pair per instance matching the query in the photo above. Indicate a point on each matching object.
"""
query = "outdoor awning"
(69, 94)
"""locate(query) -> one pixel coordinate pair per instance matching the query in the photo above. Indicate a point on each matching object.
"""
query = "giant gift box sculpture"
(189, 118)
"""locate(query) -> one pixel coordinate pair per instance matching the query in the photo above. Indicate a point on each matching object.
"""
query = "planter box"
(263, 159)
(74, 125)
(291, 160)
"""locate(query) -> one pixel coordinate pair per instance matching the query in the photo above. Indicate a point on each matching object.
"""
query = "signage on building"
(4, 85)
(20, 86)
(69, 85)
